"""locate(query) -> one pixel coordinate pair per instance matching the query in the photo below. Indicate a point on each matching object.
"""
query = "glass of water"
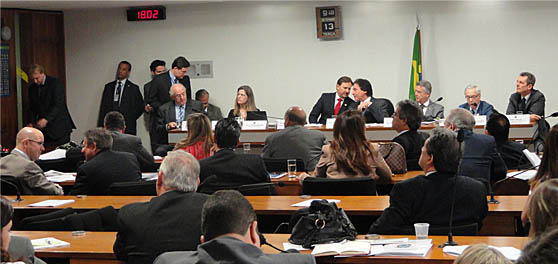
(291, 168)
(246, 147)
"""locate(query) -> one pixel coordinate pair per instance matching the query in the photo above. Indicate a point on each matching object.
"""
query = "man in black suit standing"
(170, 116)
(103, 166)
(406, 121)
(47, 108)
(123, 96)
(526, 99)
(156, 67)
(227, 168)
(114, 122)
(498, 126)
(169, 222)
(212, 111)
(374, 109)
(428, 198)
(333, 104)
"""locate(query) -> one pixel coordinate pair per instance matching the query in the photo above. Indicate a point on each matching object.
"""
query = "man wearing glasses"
(20, 163)
(474, 103)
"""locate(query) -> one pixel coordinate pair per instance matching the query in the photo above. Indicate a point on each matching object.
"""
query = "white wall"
(272, 46)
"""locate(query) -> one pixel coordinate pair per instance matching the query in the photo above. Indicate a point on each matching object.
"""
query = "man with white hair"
(169, 222)
(20, 163)
(431, 109)
(481, 159)
(474, 103)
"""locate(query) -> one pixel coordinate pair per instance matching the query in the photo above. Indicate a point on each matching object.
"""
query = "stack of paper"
(522, 175)
(509, 252)
(346, 248)
(149, 176)
(55, 154)
(277, 175)
(56, 176)
(412, 248)
(48, 242)
(51, 203)
(385, 241)
(307, 203)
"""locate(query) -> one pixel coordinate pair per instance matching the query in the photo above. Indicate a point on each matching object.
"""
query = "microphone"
(439, 99)
(517, 174)
(18, 199)
(263, 241)
(555, 114)
(450, 242)
(491, 200)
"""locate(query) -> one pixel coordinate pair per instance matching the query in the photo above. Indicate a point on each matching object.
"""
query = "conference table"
(374, 132)
(96, 247)
(501, 218)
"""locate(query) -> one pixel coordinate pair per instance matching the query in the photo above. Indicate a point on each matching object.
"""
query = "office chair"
(511, 186)
(133, 188)
(350, 186)
(280, 165)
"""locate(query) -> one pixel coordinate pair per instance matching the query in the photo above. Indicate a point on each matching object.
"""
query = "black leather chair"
(511, 186)
(264, 188)
(11, 185)
(103, 219)
(280, 165)
(133, 188)
(350, 186)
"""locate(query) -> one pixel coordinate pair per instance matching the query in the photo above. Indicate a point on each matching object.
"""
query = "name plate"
(388, 122)
(254, 124)
(519, 119)
(184, 126)
(280, 124)
(329, 123)
(213, 124)
(480, 120)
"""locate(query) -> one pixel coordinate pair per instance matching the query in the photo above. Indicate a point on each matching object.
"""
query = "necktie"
(422, 107)
(180, 114)
(337, 106)
(522, 105)
(117, 94)
(175, 80)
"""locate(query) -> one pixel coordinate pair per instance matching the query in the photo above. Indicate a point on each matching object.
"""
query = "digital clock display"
(146, 13)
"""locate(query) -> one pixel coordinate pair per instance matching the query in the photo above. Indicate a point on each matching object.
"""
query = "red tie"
(337, 106)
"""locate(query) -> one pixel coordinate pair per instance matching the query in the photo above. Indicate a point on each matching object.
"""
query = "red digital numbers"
(148, 14)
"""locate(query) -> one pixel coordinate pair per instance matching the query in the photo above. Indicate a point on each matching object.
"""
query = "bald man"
(20, 163)
(302, 143)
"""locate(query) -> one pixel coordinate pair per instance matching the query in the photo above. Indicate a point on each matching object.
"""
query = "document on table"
(509, 252)
(149, 176)
(56, 176)
(385, 241)
(48, 242)
(522, 175)
(412, 248)
(345, 248)
(51, 203)
(55, 154)
(276, 175)
(287, 246)
(308, 202)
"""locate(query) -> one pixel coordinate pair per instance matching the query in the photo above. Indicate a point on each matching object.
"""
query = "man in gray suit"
(20, 163)
(295, 141)
(21, 247)
(236, 240)
(431, 110)
(526, 99)
(212, 111)
(114, 122)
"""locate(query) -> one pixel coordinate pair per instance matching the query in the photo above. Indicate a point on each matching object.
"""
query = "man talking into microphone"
(431, 110)
(474, 103)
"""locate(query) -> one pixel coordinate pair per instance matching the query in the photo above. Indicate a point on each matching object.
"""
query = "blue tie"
(180, 113)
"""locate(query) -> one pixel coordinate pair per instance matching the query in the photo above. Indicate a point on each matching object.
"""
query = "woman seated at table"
(548, 168)
(199, 141)
(245, 105)
(543, 208)
(350, 154)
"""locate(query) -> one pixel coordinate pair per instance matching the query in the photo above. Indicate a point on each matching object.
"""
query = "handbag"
(321, 223)
(394, 155)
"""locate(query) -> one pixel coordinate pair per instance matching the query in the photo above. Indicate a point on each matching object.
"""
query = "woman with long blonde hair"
(244, 103)
(199, 140)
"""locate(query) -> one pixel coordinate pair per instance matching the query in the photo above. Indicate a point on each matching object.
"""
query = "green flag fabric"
(416, 66)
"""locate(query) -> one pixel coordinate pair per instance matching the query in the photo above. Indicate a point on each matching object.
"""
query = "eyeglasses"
(38, 142)
(471, 97)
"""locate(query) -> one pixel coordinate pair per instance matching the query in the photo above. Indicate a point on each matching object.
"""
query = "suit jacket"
(169, 222)
(31, 176)
(296, 142)
(160, 87)
(427, 199)
(325, 107)
(132, 144)
(480, 159)
(213, 112)
(49, 101)
(22, 247)
(412, 142)
(483, 108)
(107, 167)
(434, 111)
(379, 109)
(167, 114)
(131, 104)
(512, 154)
(535, 104)
(231, 250)
(231, 169)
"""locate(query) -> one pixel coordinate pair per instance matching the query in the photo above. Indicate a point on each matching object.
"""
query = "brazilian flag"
(416, 67)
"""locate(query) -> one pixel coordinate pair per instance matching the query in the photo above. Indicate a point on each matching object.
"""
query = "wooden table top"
(98, 245)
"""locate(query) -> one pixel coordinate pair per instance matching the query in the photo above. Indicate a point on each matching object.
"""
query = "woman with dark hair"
(350, 154)
(548, 168)
(7, 212)
(244, 103)
(199, 140)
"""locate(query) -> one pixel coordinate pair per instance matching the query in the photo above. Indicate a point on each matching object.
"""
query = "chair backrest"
(280, 165)
(264, 188)
(394, 155)
(11, 185)
(133, 188)
(350, 186)
(511, 186)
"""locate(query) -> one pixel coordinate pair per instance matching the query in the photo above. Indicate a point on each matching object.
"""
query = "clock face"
(146, 13)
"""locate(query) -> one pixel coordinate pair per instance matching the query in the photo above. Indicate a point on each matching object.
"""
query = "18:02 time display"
(146, 13)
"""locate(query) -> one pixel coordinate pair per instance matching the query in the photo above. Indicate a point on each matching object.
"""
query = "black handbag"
(321, 223)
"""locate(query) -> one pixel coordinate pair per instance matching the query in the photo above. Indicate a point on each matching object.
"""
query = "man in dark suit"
(428, 198)
(123, 96)
(498, 126)
(103, 166)
(169, 222)
(406, 121)
(302, 143)
(230, 235)
(374, 109)
(430, 109)
(47, 108)
(481, 160)
(114, 122)
(333, 104)
(156, 67)
(227, 168)
(170, 116)
(212, 111)
(526, 99)
(474, 103)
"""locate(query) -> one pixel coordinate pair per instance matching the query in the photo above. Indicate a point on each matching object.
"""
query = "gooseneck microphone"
(450, 242)
(263, 241)
(439, 99)
(18, 198)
